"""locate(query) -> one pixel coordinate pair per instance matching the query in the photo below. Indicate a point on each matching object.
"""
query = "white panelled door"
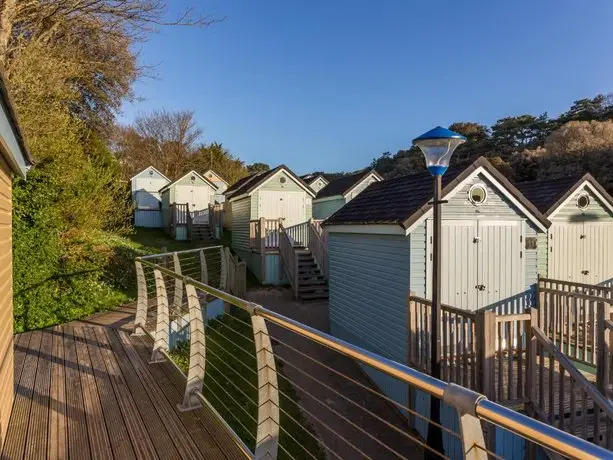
(290, 206)
(482, 264)
(597, 252)
(197, 197)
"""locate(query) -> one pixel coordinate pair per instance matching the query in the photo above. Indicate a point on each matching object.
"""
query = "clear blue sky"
(329, 85)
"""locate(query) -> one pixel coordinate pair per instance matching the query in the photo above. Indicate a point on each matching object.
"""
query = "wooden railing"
(568, 315)
(289, 259)
(264, 234)
(562, 396)
(458, 335)
(299, 234)
(604, 380)
(236, 278)
(320, 231)
(216, 220)
(318, 248)
(179, 217)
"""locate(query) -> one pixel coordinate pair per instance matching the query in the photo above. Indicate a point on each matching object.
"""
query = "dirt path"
(364, 435)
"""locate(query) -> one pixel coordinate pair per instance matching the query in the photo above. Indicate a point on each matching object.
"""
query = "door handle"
(480, 287)
(585, 272)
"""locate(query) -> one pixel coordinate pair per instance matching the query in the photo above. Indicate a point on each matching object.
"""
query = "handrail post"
(471, 432)
(142, 301)
(262, 240)
(163, 322)
(602, 346)
(177, 298)
(224, 270)
(267, 438)
(197, 350)
(486, 348)
(204, 272)
(531, 344)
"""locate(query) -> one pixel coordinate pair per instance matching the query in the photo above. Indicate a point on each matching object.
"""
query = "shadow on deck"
(87, 391)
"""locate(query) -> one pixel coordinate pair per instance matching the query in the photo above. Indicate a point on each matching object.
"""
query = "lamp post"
(437, 146)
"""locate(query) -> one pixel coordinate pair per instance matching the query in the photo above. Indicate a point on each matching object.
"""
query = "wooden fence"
(179, 217)
(264, 234)
(236, 278)
(216, 220)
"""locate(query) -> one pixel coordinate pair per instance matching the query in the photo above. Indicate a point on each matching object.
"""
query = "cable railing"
(283, 389)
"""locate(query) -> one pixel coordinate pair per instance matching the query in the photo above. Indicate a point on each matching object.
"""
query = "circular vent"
(282, 180)
(477, 194)
(583, 201)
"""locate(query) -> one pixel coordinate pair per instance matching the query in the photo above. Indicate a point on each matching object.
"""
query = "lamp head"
(438, 145)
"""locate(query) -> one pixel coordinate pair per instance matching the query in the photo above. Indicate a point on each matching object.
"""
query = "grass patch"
(231, 384)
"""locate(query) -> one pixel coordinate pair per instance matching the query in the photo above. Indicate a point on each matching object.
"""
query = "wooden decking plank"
(57, 447)
(15, 443)
(200, 435)
(36, 446)
(141, 441)
(162, 441)
(78, 443)
(205, 422)
(99, 441)
(115, 425)
(21, 346)
(178, 432)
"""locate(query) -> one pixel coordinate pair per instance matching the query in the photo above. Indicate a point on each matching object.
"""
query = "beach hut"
(185, 204)
(220, 183)
(146, 187)
(580, 239)
(315, 181)
(259, 203)
(340, 191)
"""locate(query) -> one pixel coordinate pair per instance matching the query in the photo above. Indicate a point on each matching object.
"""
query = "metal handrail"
(533, 430)
(185, 251)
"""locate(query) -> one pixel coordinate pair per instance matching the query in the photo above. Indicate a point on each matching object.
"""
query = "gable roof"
(16, 154)
(548, 195)
(310, 178)
(404, 200)
(147, 169)
(216, 175)
(167, 186)
(343, 185)
(249, 184)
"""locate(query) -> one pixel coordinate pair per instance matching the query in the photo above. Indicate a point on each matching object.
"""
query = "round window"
(282, 180)
(150, 172)
(477, 194)
(193, 178)
(583, 201)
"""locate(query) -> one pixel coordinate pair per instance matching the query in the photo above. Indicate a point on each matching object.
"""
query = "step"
(312, 282)
(316, 296)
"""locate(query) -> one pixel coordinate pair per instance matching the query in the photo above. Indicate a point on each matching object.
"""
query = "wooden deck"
(88, 392)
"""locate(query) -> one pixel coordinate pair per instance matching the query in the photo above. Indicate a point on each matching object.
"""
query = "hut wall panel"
(241, 215)
(324, 209)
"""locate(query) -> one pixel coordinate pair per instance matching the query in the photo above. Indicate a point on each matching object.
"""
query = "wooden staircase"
(312, 283)
(201, 234)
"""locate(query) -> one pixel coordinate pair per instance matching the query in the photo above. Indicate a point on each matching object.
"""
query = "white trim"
(167, 186)
(585, 184)
(147, 169)
(216, 175)
(318, 177)
(372, 174)
(492, 180)
(303, 186)
(328, 198)
(378, 229)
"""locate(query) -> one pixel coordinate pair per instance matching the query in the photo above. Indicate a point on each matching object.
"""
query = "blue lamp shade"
(438, 145)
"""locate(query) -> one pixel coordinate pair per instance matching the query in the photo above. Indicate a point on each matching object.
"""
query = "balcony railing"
(287, 390)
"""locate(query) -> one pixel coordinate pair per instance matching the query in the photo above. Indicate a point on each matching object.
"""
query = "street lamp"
(437, 146)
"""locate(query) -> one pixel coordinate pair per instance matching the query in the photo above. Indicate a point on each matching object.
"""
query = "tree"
(512, 134)
(600, 107)
(257, 167)
(163, 139)
(477, 140)
(214, 156)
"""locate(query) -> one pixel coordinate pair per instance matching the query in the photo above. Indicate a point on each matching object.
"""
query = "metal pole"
(435, 434)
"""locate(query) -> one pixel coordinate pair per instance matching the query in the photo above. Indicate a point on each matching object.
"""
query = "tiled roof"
(343, 184)
(548, 194)
(405, 199)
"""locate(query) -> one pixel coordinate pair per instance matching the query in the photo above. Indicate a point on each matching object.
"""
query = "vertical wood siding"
(241, 215)
(324, 209)
(571, 213)
(6, 299)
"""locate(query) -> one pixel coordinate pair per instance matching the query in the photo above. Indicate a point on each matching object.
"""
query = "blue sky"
(329, 85)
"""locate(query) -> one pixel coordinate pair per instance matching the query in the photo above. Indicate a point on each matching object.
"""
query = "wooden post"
(267, 438)
(163, 321)
(541, 304)
(486, 349)
(262, 240)
(411, 335)
(197, 351)
(224, 270)
(531, 344)
(142, 302)
(602, 346)
(204, 272)
(177, 298)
